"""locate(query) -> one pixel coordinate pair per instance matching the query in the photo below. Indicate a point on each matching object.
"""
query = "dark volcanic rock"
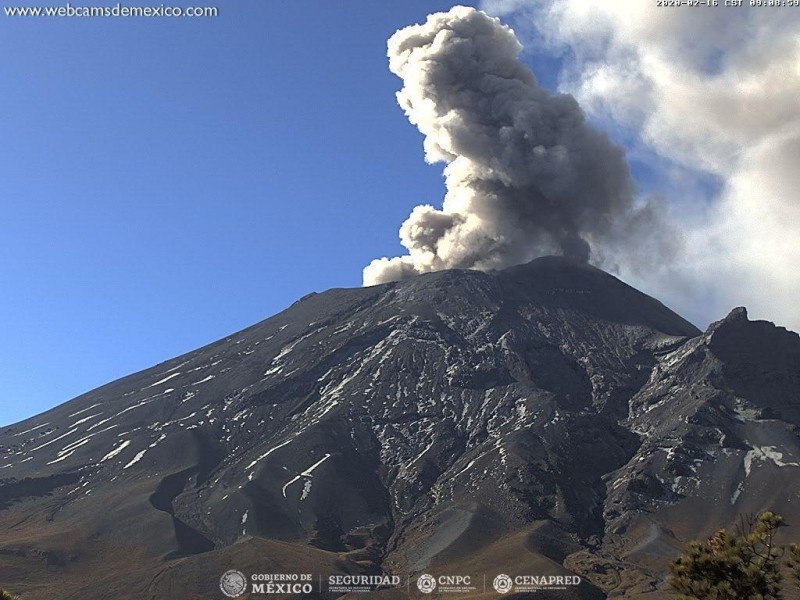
(539, 419)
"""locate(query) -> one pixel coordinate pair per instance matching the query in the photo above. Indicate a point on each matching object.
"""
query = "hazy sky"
(166, 182)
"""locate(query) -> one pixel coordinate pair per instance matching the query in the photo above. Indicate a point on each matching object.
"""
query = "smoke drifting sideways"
(525, 174)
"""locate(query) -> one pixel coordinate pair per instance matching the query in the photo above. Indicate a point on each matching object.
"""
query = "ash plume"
(526, 176)
(688, 91)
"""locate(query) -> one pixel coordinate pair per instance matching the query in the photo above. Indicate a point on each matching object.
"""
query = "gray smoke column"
(525, 174)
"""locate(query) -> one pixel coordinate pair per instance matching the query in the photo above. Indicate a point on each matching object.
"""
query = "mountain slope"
(540, 419)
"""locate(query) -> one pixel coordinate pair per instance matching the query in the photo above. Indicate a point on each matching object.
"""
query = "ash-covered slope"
(535, 420)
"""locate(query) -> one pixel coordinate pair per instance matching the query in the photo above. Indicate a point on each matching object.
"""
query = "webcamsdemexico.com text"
(117, 10)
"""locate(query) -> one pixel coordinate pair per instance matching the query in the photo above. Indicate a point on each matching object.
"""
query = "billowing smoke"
(708, 101)
(526, 176)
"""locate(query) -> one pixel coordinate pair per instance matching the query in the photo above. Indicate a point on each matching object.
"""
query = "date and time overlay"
(727, 3)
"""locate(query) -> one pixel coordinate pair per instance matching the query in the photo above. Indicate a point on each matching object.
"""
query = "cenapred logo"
(426, 583)
(233, 583)
(502, 584)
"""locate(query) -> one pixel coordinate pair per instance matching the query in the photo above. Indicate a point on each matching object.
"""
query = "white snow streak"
(84, 419)
(100, 423)
(116, 451)
(167, 378)
(88, 408)
(31, 429)
(136, 459)
(54, 440)
(306, 473)
(73, 445)
(268, 452)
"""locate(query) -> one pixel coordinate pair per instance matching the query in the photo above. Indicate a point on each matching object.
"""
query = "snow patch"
(31, 429)
(176, 367)
(763, 454)
(158, 441)
(54, 440)
(136, 459)
(96, 425)
(84, 419)
(109, 428)
(268, 452)
(74, 445)
(307, 473)
(167, 378)
(116, 451)
(306, 489)
(736, 492)
(60, 458)
(142, 403)
(88, 408)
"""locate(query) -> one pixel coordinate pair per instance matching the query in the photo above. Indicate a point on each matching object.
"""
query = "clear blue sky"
(166, 182)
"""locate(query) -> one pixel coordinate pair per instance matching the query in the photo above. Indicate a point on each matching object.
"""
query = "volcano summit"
(546, 419)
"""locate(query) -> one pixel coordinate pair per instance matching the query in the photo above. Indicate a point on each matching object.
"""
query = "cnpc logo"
(428, 583)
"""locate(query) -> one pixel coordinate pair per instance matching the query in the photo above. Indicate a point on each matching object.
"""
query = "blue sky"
(165, 182)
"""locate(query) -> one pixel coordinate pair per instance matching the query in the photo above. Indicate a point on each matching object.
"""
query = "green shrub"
(745, 566)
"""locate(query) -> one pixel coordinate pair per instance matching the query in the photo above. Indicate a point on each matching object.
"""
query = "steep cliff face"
(543, 418)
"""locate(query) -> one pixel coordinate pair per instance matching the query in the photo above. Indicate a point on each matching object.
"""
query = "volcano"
(543, 420)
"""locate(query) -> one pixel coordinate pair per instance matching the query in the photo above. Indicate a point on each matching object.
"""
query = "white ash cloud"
(526, 175)
(704, 93)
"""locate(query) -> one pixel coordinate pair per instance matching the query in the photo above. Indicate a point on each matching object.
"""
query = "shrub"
(745, 566)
